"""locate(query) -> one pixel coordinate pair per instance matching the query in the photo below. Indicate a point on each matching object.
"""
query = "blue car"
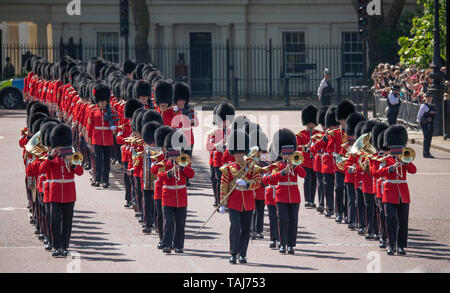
(11, 93)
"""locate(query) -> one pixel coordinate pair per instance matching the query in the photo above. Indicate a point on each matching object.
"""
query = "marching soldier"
(100, 134)
(304, 142)
(174, 193)
(318, 158)
(62, 187)
(238, 181)
(164, 100)
(287, 194)
(396, 196)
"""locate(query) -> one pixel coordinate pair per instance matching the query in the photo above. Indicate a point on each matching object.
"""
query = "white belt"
(60, 180)
(174, 187)
(102, 128)
(242, 188)
(185, 129)
(396, 181)
(287, 183)
(272, 186)
(326, 153)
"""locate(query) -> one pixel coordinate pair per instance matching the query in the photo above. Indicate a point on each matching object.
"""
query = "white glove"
(175, 108)
(113, 127)
(351, 170)
(222, 209)
(241, 182)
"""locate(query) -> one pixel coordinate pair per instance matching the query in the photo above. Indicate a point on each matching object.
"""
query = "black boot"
(242, 259)
(283, 249)
(232, 259)
(391, 250)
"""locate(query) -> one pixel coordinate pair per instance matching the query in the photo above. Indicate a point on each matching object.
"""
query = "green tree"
(417, 47)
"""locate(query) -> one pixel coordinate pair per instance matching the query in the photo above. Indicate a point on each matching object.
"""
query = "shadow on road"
(420, 245)
(89, 243)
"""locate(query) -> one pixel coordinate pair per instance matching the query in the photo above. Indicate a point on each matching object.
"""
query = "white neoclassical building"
(255, 41)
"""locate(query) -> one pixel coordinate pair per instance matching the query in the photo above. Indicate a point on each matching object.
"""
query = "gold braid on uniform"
(224, 184)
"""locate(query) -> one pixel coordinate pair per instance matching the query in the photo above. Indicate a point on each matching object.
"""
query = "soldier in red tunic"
(238, 181)
(174, 193)
(318, 159)
(100, 134)
(396, 198)
(304, 142)
(164, 100)
(62, 187)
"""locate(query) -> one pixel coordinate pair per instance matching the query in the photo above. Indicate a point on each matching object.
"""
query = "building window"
(352, 54)
(108, 46)
(294, 52)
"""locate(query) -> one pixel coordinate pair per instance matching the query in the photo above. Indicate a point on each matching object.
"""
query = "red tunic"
(99, 129)
(174, 192)
(62, 184)
(287, 186)
(303, 138)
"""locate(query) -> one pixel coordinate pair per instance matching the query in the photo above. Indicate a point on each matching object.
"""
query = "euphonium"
(183, 160)
(340, 161)
(363, 144)
(76, 158)
(408, 155)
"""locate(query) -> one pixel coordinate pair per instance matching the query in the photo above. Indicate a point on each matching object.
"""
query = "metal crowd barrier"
(407, 114)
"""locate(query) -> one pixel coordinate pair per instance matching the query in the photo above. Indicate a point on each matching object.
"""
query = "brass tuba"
(408, 155)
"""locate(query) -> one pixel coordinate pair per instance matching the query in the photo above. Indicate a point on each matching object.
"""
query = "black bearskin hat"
(181, 91)
(225, 110)
(29, 105)
(33, 118)
(330, 117)
(368, 126)
(240, 122)
(344, 109)
(320, 118)
(358, 128)
(61, 136)
(238, 142)
(163, 92)
(142, 88)
(258, 138)
(128, 67)
(161, 133)
(101, 92)
(131, 106)
(395, 135)
(309, 114)
(283, 137)
(148, 131)
(46, 129)
(39, 107)
(36, 126)
(352, 121)
(376, 131)
(151, 115)
(380, 141)
(135, 118)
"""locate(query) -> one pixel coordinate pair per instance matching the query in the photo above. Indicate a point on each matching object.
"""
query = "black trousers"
(138, 191)
(427, 129)
(288, 223)
(212, 177)
(127, 183)
(397, 223)
(48, 219)
(351, 202)
(218, 177)
(273, 222)
(328, 184)
(258, 216)
(326, 100)
(339, 187)
(381, 219)
(159, 220)
(360, 208)
(174, 226)
(309, 186)
(239, 231)
(62, 216)
(320, 188)
(369, 200)
(102, 163)
(392, 116)
(149, 208)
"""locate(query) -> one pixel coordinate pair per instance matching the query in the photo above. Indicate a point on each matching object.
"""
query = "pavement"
(107, 238)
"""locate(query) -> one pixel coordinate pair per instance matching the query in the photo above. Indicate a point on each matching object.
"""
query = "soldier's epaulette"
(223, 168)
(256, 169)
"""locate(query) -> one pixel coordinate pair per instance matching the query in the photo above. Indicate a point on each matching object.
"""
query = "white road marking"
(432, 174)
(9, 209)
(2, 137)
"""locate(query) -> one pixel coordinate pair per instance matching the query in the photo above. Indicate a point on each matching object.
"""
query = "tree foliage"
(417, 47)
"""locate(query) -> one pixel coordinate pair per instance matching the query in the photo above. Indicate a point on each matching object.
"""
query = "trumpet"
(296, 158)
(183, 160)
(408, 155)
(76, 158)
